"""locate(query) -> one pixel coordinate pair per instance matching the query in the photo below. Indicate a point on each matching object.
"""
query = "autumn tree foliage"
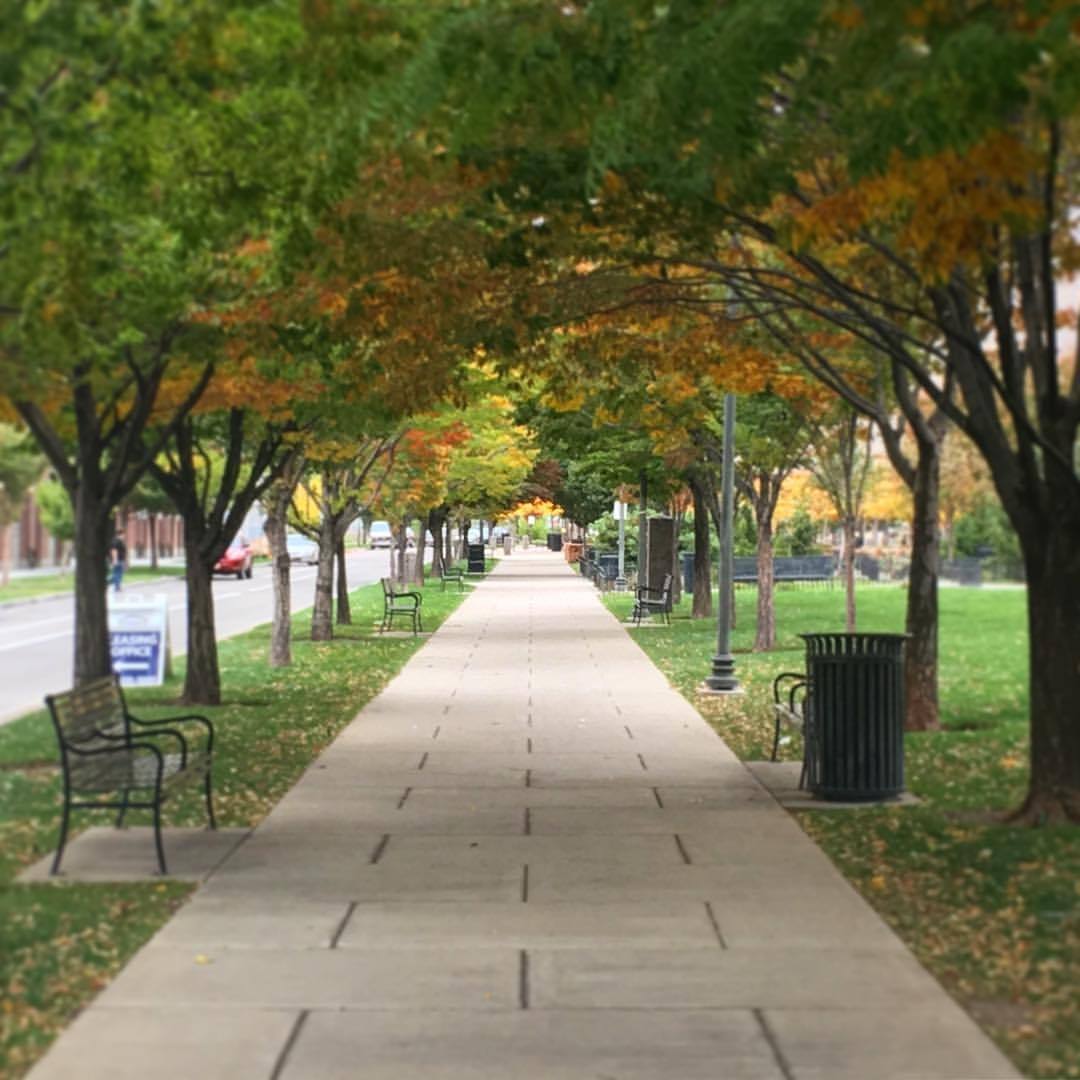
(128, 176)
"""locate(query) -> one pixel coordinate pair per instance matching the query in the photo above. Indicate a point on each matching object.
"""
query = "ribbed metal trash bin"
(855, 723)
(609, 567)
(688, 572)
(475, 559)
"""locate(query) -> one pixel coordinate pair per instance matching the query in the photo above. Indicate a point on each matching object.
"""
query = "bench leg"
(157, 836)
(65, 820)
(209, 799)
(776, 742)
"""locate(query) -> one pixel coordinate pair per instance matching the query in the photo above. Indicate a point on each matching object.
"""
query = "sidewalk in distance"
(529, 857)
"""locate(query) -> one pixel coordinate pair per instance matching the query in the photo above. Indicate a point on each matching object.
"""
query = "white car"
(301, 549)
(380, 535)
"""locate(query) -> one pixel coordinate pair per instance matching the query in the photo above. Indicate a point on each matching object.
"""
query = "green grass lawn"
(27, 588)
(60, 943)
(992, 911)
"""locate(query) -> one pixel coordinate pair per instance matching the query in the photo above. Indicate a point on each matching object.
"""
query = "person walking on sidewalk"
(118, 561)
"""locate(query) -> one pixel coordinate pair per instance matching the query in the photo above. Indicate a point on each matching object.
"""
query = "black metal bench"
(453, 573)
(400, 603)
(112, 760)
(810, 569)
(790, 701)
(649, 601)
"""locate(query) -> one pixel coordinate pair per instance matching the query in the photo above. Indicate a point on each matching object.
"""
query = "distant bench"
(787, 568)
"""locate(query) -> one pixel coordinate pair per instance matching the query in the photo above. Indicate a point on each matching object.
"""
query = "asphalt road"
(36, 640)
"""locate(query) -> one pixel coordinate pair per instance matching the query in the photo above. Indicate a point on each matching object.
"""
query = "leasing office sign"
(139, 639)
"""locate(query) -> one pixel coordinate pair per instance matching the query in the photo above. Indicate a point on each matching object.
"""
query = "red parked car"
(237, 559)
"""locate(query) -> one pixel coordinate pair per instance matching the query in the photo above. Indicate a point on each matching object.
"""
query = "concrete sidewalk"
(528, 859)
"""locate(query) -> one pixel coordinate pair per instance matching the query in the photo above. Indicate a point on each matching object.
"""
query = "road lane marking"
(26, 642)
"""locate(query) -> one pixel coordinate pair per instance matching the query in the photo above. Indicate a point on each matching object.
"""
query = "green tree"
(20, 467)
(142, 145)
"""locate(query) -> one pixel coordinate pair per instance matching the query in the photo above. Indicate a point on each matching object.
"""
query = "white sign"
(619, 510)
(139, 638)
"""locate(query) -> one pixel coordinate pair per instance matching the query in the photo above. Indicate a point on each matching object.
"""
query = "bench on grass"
(790, 707)
(647, 601)
(112, 760)
(453, 573)
(400, 603)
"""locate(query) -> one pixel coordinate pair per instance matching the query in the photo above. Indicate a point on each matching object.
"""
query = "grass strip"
(992, 911)
(60, 943)
(34, 586)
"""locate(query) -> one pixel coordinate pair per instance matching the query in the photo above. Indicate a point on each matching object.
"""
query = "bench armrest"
(186, 718)
(126, 742)
(644, 592)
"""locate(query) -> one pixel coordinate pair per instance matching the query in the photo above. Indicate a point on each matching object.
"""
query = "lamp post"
(723, 680)
(620, 581)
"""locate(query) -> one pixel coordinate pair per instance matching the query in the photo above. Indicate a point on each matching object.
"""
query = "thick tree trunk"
(849, 574)
(202, 682)
(702, 604)
(435, 527)
(421, 545)
(765, 636)
(322, 614)
(1051, 545)
(344, 613)
(921, 650)
(401, 545)
(280, 566)
(92, 536)
(1052, 567)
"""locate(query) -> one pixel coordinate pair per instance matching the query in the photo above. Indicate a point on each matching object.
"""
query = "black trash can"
(609, 565)
(475, 559)
(688, 572)
(855, 719)
(554, 542)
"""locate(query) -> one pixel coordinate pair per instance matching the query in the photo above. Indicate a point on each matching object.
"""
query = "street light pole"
(723, 680)
(620, 581)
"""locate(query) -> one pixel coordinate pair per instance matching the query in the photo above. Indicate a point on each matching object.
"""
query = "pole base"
(620, 584)
(722, 680)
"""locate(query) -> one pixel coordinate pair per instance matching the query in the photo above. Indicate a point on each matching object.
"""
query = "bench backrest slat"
(83, 715)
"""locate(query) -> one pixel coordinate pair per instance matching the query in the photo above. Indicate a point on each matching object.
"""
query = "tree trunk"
(676, 575)
(921, 650)
(435, 527)
(344, 613)
(5, 554)
(401, 544)
(1051, 550)
(765, 636)
(322, 614)
(281, 628)
(92, 656)
(202, 682)
(702, 604)
(849, 573)
(421, 545)
(153, 541)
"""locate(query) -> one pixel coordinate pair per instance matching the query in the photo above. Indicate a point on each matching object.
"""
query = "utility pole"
(723, 680)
